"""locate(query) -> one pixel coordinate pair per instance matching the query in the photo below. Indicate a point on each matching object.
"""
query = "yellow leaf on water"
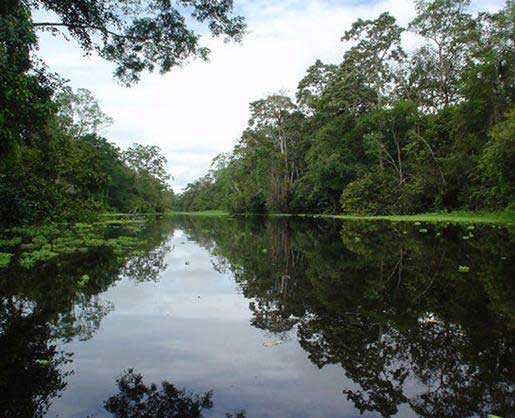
(271, 343)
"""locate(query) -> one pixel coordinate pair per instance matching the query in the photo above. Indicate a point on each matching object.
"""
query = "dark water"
(267, 318)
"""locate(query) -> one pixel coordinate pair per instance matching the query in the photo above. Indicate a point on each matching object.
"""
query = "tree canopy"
(138, 35)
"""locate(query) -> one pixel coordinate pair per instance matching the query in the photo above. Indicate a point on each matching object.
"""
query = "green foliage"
(139, 36)
(83, 281)
(383, 132)
(5, 259)
(496, 165)
(368, 195)
(35, 245)
(53, 163)
(77, 172)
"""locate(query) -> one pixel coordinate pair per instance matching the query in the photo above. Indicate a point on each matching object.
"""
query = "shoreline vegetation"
(505, 218)
(384, 133)
(29, 245)
(55, 163)
(387, 130)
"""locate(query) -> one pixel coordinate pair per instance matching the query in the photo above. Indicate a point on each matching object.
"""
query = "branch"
(72, 26)
(442, 176)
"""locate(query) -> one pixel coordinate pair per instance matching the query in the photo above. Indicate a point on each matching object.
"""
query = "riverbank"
(452, 217)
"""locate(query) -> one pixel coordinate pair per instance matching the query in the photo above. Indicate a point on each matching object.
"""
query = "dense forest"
(54, 162)
(386, 131)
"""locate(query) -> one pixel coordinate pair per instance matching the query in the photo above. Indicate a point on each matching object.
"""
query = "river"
(257, 317)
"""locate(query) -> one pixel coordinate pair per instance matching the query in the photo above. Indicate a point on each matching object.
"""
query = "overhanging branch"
(72, 26)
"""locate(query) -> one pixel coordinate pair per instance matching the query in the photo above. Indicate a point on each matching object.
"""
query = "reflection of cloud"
(187, 291)
(201, 109)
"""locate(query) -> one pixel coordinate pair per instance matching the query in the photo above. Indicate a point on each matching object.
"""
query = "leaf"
(42, 362)
(271, 343)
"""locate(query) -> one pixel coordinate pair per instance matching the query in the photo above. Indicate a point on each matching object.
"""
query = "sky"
(199, 110)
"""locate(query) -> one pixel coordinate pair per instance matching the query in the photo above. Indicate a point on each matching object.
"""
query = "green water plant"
(463, 269)
(83, 281)
(12, 242)
(5, 259)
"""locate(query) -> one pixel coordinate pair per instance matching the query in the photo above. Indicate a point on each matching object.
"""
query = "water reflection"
(43, 307)
(137, 400)
(387, 302)
(415, 317)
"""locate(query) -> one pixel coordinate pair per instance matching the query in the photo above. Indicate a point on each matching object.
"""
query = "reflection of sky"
(193, 328)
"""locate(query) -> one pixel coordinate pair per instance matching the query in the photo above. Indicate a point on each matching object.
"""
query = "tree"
(385, 131)
(447, 29)
(80, 113)
(488, 80)
(150, 177)
(378, 46)
(137, 36)
(270, 124)
(147, 160)
(312, 86)
(496, 165)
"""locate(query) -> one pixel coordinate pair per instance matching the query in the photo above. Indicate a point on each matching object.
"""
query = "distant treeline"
(68, 171)
(384, 131)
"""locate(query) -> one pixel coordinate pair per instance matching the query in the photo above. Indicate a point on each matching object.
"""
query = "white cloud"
(195, 112)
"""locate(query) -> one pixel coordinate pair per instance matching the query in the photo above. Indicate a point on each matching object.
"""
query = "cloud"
(195, 112)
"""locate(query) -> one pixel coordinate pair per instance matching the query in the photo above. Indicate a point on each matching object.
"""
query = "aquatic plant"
(43, 243)
(83, 281)
(12, 242)
(5, 259)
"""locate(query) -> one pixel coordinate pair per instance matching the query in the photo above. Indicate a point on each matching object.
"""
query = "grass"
(452, 217)
(213, 213)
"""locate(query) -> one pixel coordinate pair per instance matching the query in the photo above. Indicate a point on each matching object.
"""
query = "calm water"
(267, 318)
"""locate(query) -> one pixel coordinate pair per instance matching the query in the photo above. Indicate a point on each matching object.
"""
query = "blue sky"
(195, 112)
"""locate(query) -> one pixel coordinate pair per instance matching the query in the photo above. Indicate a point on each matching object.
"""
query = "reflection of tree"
(45, 306)
(137, 400)
(148, 266)
(30, 374)
(149, 261)
(83, 319)
(386, 302)
(270, 316)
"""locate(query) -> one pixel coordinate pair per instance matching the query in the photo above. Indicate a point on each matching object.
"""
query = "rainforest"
(349, 250)
(385, 131)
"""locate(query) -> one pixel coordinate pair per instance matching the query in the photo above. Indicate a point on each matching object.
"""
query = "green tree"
(313, 84)
(150, 177)
(80, 113)
(447, 29)
(496, 165)
(138, 36)
(378, 47)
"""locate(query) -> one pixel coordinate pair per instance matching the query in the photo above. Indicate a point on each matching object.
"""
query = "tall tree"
(269, 121)
(447, 28)
(313, 84)
(80, 113)
(377, 49)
